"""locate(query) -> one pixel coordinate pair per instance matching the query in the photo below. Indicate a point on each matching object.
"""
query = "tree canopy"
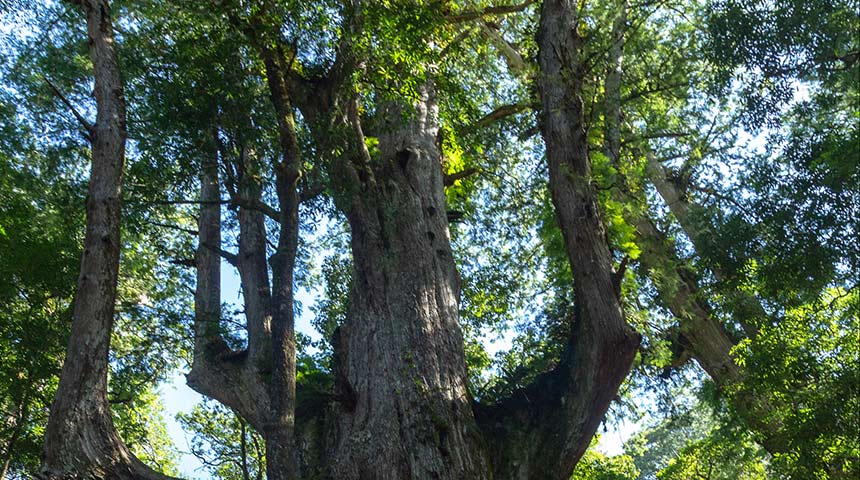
(469, 238)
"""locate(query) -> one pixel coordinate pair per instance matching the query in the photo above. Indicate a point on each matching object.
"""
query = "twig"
(174, 227)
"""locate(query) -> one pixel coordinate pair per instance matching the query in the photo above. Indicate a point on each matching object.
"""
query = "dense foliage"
(724, 139)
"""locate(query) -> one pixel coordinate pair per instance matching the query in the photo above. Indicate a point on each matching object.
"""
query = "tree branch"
(80, 118)
(227, 256)
(648, 91)
(311, 192)
(512, 56)
(258, 205)
(173, 227)
(496, 115)
(450, 178)
(496, 10)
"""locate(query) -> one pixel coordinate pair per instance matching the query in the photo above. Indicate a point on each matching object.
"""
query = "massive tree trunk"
(402, 409)
(80, 439)
(405, 410)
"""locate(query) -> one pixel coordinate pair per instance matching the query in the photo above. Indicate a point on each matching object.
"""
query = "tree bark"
(749, 312)
(80, 439)
(701, 333)
(279, 432)
(543, 430)
(549, 425)
(405, 412)
(267, 369)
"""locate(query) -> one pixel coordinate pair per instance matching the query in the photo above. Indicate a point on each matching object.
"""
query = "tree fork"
(573, 398)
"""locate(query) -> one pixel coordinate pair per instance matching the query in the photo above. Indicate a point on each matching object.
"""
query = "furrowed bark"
(602, 345)
(405, 412)
(547, 426)
(80, 439)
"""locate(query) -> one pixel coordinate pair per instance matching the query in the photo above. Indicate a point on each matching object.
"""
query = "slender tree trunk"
(704, 336)
(207, 294)
(267, 369)
(748, 311)
(80, 439)
(10, 447)
(234, 378)
(279, 433)
(405, 410)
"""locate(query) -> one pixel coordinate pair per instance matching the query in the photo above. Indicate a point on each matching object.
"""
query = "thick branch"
(548, 426)
(682, 209)
(513, 58)
(258, 205)
(702, 333)
(311, 192)
(450, 178)
(500, 113)
(229, 257)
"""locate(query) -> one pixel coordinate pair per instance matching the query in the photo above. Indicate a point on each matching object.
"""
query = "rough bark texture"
(279, 431)
(401, 408)
(547, 427)
(245, 380)
(405, 411)
(80, 439)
